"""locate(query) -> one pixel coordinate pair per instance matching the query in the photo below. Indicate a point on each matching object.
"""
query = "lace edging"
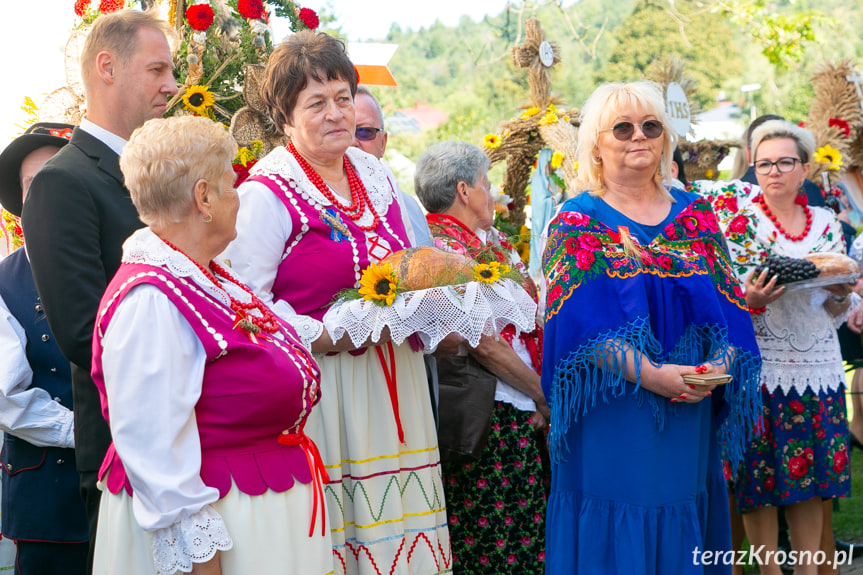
(308, 329)
(192, 539)
(145, 247)
(470, 310)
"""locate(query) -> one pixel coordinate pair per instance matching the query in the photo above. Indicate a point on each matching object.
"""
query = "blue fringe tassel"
(578, 380)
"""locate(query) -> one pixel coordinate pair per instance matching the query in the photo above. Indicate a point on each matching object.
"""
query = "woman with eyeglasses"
(801, 457)
(313, 215)
(639, 295)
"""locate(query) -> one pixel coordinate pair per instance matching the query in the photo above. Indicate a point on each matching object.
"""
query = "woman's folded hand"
(667, 381)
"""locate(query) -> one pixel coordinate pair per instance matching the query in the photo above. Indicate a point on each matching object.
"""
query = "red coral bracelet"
(757, 310)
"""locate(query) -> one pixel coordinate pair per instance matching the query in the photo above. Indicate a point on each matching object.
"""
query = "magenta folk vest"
(327, 251)
(255, 397)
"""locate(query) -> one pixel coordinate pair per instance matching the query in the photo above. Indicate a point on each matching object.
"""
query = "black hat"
(36, 136)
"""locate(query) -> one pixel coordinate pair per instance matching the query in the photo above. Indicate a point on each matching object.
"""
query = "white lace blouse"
(796, 334)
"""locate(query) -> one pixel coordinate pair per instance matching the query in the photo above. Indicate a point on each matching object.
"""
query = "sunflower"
(491, 141)
(556, 160)
(529, 113)
(487, 273)
(378, 284)
(830, 156)
(198, 99)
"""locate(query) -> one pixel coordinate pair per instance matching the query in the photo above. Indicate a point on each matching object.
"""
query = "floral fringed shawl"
(679, 304)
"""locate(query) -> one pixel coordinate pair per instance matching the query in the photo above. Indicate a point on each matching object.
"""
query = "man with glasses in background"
(371, 138)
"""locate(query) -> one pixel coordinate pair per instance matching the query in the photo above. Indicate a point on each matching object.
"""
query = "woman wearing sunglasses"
(801, 458)
(640, 294)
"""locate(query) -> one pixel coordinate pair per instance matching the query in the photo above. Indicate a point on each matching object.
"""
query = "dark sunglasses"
(367, 134)
(624, 130)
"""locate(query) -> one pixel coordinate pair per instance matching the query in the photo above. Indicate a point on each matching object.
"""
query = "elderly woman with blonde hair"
(206, 391)
(641, 303)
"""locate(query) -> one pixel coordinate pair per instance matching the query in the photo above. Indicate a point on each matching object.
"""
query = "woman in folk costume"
(313, 216)
(801, 458)
(496, 504)
(206, 391)
(640, 293)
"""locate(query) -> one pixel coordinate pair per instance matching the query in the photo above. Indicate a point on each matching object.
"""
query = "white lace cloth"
(470, 310)
(193, 539)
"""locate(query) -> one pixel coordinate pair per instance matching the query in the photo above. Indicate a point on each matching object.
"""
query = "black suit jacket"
(76, 217)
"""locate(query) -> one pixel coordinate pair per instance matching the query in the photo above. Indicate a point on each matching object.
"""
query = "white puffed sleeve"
(27, 412)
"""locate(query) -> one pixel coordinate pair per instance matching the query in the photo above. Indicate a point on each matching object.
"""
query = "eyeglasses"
(784, 165)
(624, 130)
(367, 134)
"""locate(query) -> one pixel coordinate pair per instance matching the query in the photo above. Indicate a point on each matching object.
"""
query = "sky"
(32, 45)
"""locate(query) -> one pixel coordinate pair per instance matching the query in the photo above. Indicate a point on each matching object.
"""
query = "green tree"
(653, 32)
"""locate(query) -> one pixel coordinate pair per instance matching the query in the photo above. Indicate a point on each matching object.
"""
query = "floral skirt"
(496, 505)
(802, 452)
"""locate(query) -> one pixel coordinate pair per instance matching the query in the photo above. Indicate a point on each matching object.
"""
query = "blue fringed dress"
(637, 485)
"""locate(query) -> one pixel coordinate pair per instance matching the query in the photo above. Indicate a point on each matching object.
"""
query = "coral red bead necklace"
(359, 196)
(251, 323)
(762, 203)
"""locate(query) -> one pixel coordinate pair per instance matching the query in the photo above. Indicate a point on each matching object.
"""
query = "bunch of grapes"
(788, 269)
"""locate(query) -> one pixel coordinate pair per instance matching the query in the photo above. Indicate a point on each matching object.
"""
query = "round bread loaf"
(425, 267)
(833, 264)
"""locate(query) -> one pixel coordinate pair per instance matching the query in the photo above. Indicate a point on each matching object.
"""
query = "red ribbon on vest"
(319, 473)
(390, 376)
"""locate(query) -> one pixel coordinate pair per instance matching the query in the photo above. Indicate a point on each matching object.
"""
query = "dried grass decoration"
(251, 122)
(702, 158)
(542, 124)
(835, 119)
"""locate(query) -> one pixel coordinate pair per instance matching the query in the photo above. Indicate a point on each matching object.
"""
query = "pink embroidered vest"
(255, 396)
(320, 259)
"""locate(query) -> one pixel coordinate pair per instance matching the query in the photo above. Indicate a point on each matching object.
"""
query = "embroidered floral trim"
(581, 248)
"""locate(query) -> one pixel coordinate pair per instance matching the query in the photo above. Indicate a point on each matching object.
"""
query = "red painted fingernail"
(691, 386)
(673, 400)
(682, 396)
(709, 393)
(700, 368)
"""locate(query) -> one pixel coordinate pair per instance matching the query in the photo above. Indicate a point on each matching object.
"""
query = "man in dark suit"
(78, 212)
